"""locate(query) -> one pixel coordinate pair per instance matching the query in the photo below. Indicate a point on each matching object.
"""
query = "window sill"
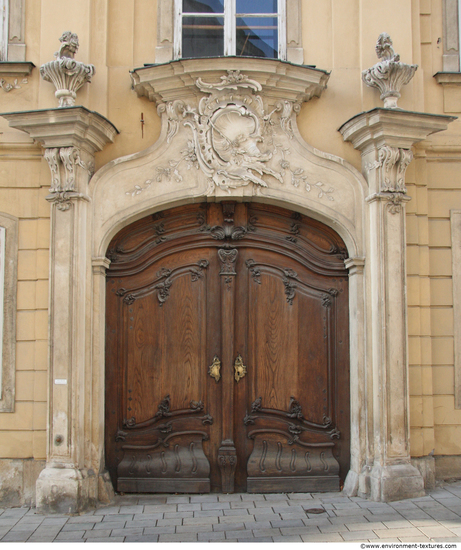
(448, 78)
(280, 80)
(451, 84)
(16, 68)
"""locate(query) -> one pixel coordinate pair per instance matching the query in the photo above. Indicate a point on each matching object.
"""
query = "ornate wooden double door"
(227, 352)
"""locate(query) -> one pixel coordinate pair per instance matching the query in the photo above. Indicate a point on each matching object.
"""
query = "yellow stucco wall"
(338, 36)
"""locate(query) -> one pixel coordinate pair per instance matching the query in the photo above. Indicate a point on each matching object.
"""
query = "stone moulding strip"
(455, 219)
(9, 224)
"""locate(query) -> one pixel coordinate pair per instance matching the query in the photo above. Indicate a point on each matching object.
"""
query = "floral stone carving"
(389, 74)
(67, 74)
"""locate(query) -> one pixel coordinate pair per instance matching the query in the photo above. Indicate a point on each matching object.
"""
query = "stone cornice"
(279, 80)
(65, 127)
(392, 127)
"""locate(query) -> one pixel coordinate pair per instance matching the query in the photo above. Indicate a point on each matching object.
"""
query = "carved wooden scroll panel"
(227, 352)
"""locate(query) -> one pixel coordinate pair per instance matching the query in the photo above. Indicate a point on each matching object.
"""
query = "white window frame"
(230, 17)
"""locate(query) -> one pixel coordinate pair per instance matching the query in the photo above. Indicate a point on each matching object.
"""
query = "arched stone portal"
(228, 135)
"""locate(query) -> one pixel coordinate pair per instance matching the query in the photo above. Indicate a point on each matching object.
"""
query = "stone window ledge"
(16, 68)
(445, 78)
(451, 85)
(280, 80)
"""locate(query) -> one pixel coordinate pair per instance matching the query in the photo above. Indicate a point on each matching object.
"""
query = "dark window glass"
(202, 36)
(257, 37)
(256, 6)
(203, 6)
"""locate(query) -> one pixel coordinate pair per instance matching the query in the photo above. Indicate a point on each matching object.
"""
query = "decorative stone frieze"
(384, 138)
(67, 74)
(15, 85)
(389, 74)
(237, 122)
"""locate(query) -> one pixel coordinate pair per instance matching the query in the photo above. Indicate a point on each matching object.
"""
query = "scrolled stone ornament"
(67, 74)
(389, 74)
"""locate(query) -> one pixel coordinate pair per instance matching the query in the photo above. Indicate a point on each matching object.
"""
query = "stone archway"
(199, 157)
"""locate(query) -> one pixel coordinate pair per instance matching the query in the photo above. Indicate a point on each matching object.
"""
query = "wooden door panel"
(290, 349)
(273, 341)
(221, 280)
(278, 466)
(164, 411)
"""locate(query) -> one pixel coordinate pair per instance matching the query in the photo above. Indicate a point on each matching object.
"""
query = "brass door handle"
(239, 368)
(214, 370)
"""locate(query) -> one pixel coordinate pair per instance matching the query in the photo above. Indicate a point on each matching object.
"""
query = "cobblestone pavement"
(247, 518)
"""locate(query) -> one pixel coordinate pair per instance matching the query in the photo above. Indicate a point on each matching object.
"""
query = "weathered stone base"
(17, 481)
(386, 483)
(66, 491)
(447, 467)
(395, 482)
(426, 466)
(351, 484)
(106, 493)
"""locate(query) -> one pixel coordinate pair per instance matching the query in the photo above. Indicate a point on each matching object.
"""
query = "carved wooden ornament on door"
(227, 352)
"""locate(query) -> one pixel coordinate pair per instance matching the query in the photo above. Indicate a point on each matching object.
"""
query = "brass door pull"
(239, 368)
(214, 370)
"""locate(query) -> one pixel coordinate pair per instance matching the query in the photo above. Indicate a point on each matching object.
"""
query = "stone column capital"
(65, 127)
(71, 136)
(385, 137)
(395, 128)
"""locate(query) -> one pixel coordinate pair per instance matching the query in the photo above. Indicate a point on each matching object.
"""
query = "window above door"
(246, 28)
(190, 29)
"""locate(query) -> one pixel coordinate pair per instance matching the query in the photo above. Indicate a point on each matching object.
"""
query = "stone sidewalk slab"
(247, 518)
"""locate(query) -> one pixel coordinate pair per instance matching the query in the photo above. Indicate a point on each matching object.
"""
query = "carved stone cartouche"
(389, 74)
(67, 74)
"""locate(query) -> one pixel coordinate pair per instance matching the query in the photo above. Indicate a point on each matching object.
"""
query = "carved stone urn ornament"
(389, 74)
(67, 74)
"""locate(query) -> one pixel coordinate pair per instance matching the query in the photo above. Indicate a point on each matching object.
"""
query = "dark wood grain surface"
(265, 291)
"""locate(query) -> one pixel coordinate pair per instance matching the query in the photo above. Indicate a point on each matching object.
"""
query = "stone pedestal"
(74, 475)
(384, 138)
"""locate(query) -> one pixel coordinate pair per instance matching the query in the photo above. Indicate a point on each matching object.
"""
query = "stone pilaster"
(73, 477)
(384, 137)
